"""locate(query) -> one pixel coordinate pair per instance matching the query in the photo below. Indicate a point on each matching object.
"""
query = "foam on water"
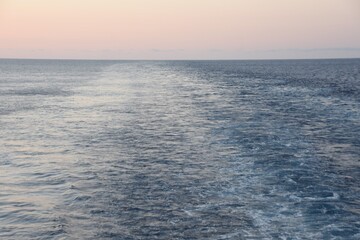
(180, 150)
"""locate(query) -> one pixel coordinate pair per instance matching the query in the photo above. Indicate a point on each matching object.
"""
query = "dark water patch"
(39, 91)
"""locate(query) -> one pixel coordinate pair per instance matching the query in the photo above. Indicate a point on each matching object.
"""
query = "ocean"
(180, 149)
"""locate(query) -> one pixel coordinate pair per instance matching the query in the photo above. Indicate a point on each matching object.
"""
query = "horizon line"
(184, 59)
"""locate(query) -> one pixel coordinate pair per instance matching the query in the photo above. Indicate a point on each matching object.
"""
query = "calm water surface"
(180, 149)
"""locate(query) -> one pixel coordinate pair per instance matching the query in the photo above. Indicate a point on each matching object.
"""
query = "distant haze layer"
(179, 29)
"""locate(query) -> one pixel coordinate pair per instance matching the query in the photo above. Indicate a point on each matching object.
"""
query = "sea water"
(180, 149)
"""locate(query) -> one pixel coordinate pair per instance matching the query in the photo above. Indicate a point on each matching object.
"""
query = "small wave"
(39, 91)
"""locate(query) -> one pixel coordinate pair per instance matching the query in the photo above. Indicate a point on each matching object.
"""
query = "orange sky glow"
(179, 29)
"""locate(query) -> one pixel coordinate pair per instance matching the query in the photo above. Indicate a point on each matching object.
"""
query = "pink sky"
(179, 29)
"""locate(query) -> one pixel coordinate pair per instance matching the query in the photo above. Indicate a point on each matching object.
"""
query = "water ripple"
(179, 150)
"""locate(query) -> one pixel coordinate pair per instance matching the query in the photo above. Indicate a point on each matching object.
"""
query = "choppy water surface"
(180, 150)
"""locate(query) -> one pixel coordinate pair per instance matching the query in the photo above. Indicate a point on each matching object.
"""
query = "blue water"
(180, 149)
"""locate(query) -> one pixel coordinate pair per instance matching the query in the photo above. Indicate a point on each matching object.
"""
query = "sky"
(179, 29)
